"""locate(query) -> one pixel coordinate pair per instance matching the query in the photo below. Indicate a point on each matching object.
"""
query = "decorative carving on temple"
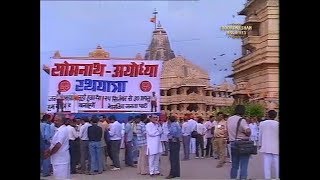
(56, 55)
(99, 53)
(139, 57)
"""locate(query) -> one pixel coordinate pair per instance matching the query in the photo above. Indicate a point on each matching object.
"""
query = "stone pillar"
(165, 107)
(200, 89)
(174, 107)
(165, 92)
(184, 90)
(173, 92)
(184, 108)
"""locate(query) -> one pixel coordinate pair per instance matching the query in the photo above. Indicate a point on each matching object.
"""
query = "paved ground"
(192, 169)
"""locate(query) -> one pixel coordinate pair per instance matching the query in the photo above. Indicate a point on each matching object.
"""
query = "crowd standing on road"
(71, 145)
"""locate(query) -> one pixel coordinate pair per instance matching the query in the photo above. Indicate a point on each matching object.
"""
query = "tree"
(252, 110)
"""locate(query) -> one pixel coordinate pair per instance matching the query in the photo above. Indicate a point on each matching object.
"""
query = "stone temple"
(185, 87)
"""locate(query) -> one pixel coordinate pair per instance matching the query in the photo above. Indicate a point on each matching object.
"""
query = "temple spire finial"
(159, 25)
(155, 12)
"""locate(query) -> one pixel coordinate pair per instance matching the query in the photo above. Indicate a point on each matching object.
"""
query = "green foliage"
(252, 110)
(255, 110)
(228, 110)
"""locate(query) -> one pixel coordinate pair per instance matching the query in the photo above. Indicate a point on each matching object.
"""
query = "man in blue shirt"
(128, 137)
(46, 133)
(174, 147)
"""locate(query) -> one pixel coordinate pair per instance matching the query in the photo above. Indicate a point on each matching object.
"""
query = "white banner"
(104, 85)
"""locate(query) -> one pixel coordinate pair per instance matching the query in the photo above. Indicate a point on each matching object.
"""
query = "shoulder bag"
(244, 146)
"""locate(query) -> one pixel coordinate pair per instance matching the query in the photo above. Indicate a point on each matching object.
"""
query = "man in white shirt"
(186, 136)
(254, 127)
(208, 135)
(193, 126)
(72, 143)
(84, 146)
(201, 129)
(59, 150)
(115, 133)
(269, 140)
(154, 148)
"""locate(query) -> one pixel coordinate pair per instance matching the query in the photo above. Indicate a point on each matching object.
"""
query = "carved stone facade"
(185, 87)
(256, 73)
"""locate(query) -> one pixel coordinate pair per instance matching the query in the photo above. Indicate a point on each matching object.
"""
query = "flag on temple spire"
(153, 19)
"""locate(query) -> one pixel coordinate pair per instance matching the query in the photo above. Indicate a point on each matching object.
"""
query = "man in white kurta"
(59, 150)
(154, 148)
(269, 140)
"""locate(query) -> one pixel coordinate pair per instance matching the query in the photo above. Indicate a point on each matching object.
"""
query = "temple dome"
(181, 72)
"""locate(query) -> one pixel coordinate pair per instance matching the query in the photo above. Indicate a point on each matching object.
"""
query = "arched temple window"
(207, 93)
(162, 93)
(193, 107)
(162, 107)
(207, 108)
(169, 108)
(213, 94)
(179, 91)
(168, 92)
(192, 89)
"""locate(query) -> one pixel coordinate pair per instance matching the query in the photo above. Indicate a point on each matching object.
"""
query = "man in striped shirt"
(142, 145)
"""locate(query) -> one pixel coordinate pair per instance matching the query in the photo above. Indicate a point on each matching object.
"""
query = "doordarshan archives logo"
(236, 30)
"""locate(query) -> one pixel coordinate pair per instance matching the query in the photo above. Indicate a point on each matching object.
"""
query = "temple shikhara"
(256, 73)
(185, 87)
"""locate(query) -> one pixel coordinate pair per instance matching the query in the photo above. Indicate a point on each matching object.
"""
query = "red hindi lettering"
(74, 69)
(151, 70)
(61, 69)
(132, 70)
(118, 72)
(99, 68)
(87, 71)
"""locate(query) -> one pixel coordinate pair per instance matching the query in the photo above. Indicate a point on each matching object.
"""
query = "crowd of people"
(72, 145)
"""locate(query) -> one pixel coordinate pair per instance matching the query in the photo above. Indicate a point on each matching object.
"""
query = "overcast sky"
(75, 28)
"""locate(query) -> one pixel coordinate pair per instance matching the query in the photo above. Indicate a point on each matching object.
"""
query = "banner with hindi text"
(104, 85)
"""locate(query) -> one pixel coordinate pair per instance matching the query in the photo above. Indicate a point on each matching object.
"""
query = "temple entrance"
(192, 89)
(193, 107)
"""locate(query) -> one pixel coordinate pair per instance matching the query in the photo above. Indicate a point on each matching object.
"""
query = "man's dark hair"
(272, 114)
(240, 110)
(112, 118)
(225, 116)
(94, 119)
(143, 117)
(130, 118)
(137, 117)
(65, 120)
(211, 117)
(45, 117)
(172, 118)
(103, 116)
(200, 120)
(85, 119)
